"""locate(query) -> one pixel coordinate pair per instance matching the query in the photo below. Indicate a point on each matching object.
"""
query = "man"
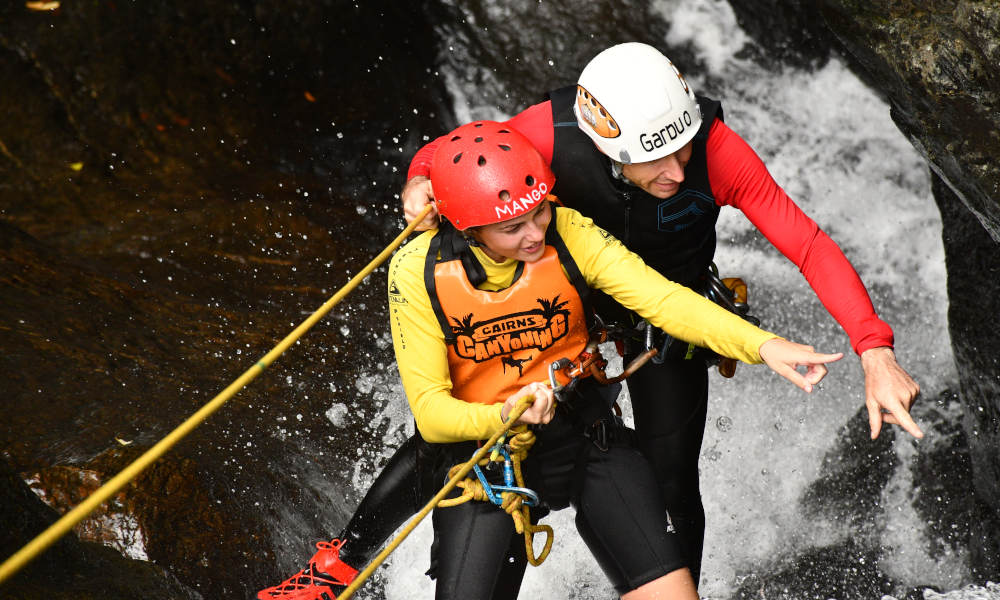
(633, 148)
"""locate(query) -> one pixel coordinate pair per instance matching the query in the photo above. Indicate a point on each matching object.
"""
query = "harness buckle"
(598, 434)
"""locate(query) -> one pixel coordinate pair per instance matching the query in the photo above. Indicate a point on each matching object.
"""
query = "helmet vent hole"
(479, 139)
(529, 181)
(482, 161)
(504, 147)
(455, 138)
(504, 195)
(504, 131)
(457, 158)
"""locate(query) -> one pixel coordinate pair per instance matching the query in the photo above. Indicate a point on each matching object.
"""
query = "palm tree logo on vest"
(535, 329)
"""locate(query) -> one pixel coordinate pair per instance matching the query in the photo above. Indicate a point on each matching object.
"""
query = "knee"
(677, 585)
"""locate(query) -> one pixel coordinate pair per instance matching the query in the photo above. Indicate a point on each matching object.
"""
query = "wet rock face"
(179, 187)
(936, 62)
(974, 291)
(71, 569)
(788, 31)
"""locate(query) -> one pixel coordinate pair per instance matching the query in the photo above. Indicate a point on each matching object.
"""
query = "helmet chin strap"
(618, 172)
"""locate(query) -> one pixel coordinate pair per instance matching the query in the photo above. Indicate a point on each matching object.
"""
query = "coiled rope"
(513, 502)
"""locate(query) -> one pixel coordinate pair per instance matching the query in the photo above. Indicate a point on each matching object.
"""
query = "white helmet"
(635, 104)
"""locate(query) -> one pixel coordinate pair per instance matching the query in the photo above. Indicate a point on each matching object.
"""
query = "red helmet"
(486, 172)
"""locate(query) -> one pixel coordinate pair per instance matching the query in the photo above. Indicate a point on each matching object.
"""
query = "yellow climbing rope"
(456, 477)
(513, 503)
(58, 529)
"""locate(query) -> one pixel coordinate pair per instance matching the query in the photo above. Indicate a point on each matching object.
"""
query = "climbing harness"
(510, 443)
(513, 496)
(591, 363)
(61, 527)
(457, 476)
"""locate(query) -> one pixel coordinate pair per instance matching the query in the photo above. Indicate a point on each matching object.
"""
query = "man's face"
(661, 177)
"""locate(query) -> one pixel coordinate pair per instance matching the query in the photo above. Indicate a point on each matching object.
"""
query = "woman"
(482, 306)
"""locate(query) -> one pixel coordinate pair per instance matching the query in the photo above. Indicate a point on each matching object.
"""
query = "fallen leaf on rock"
(42, 5)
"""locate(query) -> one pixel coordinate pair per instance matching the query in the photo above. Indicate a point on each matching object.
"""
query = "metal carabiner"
(487, 488)
(554, 367)
(667, 340)
(530, 497)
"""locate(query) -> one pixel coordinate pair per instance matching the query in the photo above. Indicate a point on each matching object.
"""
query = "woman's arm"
(422, 356)
(607, 265)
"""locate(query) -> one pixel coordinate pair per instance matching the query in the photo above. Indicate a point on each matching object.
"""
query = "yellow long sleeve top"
(606, 264)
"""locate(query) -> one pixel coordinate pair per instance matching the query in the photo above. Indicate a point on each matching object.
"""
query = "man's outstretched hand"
(889, 391)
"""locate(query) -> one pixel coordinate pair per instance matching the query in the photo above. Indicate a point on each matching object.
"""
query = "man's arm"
(739, 178)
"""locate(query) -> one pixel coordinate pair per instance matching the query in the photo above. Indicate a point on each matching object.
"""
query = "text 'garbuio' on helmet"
(635, 104)
(486, 172)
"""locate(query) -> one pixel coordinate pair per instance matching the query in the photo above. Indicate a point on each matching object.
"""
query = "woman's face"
(521, 238)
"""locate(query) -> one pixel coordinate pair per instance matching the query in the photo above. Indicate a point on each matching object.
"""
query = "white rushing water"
(829, 141)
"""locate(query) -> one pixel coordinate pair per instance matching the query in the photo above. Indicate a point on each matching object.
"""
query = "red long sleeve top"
(740, 179)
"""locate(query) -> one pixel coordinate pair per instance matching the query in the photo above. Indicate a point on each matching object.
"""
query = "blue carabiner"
(493, 496)
(530, 497)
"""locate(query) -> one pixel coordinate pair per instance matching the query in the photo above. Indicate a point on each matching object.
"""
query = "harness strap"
(576, 278)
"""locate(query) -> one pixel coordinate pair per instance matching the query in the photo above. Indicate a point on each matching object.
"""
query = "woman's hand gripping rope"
(541, 410)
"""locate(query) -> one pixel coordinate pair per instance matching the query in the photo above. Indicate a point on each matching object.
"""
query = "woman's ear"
(471, 235)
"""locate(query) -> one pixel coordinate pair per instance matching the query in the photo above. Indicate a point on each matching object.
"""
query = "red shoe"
(324, 578)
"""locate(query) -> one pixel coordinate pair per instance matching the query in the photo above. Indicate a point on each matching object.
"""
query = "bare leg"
(676, 585)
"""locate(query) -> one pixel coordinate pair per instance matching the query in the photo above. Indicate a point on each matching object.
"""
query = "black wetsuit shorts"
(585, 458)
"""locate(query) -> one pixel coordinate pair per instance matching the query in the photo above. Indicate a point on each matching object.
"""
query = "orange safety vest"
(501, 341)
